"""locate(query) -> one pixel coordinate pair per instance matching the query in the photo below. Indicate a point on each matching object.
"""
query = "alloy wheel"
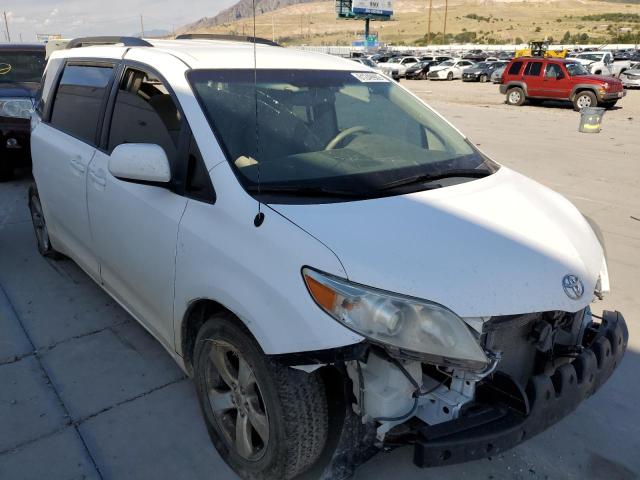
(236, 401)
(514, 97)
(584, 101)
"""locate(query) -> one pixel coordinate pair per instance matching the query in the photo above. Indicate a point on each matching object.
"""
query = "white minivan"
(337, 267)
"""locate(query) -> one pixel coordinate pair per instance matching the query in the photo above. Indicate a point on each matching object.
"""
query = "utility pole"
(429, 23)
(273, 29)
(6, 26)
(301, 33)
(444, 30)
(141, 27)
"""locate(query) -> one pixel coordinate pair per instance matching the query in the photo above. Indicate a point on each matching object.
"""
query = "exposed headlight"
(16, 107)
(418, 327)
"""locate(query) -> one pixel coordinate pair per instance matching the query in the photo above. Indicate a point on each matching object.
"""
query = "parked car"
(631, 77)
(21, 67)
(603, 63)
(538, 79)
(420, 69)
(436, 58)
(396, 67)
(476, 55)
(449, 70)
(369, 63)
(298, 241)
(506, 55)
(496, 76)
(480, 72)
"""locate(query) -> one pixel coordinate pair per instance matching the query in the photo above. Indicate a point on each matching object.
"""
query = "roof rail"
(226, 38)
(126, 41)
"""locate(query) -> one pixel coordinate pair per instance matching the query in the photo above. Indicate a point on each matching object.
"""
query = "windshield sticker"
(369, 77)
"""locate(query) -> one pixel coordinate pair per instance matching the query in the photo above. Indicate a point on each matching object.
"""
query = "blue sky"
(92, 17)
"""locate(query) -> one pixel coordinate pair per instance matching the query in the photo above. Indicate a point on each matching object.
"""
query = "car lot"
(86, 392)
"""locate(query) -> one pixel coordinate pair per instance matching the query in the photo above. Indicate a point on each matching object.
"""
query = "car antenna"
(257, 221)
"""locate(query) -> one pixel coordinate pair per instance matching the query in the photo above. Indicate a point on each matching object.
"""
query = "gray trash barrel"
(591, 119)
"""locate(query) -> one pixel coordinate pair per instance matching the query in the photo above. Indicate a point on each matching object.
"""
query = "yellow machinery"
(541, 49)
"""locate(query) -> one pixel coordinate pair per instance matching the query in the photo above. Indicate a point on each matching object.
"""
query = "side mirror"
(143, 162)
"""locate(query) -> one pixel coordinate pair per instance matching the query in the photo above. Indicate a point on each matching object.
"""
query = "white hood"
(494, 246)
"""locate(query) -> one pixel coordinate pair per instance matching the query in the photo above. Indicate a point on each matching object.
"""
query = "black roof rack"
(126, 41)
(227, 38)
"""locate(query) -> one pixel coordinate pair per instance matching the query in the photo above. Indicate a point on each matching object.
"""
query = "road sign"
(365, 9)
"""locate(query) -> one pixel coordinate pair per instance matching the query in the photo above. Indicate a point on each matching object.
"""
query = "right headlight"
(418, 327)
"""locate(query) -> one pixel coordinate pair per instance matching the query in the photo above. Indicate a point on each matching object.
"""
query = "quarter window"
(144, 112)
(514, 69)
(77, 108)
(533, 69)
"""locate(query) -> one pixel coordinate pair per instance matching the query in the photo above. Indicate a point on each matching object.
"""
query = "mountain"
(314, 22)
(242, 10)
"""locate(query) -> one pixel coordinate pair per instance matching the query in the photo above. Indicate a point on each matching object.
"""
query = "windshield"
(353, 131)
(576, 69)
(369, 63)
(483, 65)
(448, 63)
(21, 66)
(596, 57)
(394, 60)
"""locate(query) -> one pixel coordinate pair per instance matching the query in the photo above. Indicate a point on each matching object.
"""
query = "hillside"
(295, 22)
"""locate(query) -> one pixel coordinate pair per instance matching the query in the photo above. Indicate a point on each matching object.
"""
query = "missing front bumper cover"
(495, 428)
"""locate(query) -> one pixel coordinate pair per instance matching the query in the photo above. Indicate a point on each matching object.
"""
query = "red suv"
(537, 79)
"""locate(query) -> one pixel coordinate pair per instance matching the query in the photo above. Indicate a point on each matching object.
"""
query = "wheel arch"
(195, 316)
(581, 88)
(522, 85)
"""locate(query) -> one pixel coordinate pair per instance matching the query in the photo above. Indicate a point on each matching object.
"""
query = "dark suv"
(21, 68)
(537, 79)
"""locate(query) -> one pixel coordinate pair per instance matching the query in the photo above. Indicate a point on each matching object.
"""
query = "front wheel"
(265, 419)
(516, 96)
(483, 79)
(450, 76)
(584, 99)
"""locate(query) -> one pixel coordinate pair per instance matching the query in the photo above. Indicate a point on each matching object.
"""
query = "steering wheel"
(344, 134)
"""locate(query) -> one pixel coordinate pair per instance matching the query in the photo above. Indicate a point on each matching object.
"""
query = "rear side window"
(77, 108)
(514, 69)
(533, 69)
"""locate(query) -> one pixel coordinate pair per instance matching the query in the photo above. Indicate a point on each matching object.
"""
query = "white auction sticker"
(369, 77)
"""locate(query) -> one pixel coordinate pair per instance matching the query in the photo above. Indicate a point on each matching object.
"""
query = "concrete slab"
(13, 341)
(29, 407)
(58, 456)
(98, 371)
(159, 436)
(63, 303)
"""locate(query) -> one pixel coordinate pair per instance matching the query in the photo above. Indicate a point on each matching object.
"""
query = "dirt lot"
(86, 393)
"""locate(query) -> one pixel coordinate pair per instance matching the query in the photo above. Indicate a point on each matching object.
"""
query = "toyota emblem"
(573, 286)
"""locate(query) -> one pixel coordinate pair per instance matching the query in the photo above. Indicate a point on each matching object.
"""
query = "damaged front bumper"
(489, 429)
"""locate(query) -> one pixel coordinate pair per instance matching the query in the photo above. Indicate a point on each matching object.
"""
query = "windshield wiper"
(305, 191)
(430, 177)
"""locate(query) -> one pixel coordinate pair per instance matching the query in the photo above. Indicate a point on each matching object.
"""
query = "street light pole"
(6, 26)
(429, 23)
(444, 30)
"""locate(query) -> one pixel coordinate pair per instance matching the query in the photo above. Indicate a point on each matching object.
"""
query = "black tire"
(516, 96)
(483, 78)
(585, 98)
(293, 402)
(40, 226)
(450, 76)
(6, 168)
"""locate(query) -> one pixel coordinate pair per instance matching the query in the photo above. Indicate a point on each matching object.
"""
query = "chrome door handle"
(98, 177)
(77, 164)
